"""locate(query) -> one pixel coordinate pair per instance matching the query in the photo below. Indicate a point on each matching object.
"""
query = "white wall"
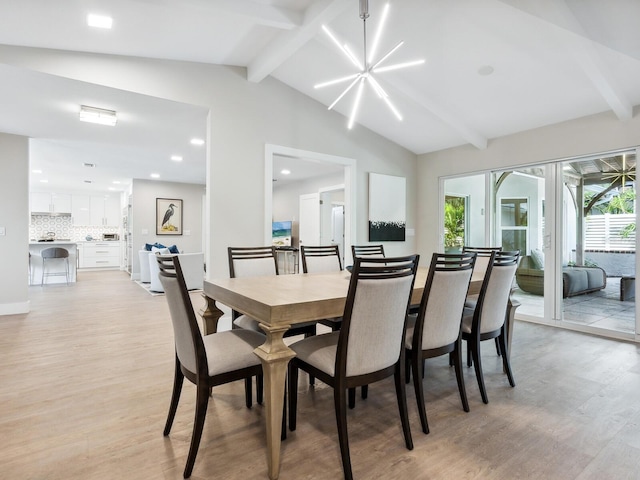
(143, 216)
(286, 199)
(14, 218)
(243, 118)
(592, 134)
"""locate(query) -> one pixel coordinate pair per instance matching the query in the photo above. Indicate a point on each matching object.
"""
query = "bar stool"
(53, 253)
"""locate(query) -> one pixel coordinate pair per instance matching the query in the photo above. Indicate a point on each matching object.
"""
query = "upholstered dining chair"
(435, 330)
(486, 321)
(207, 361)
(483, 258)
(369, 345)
(259, 262)
(322, 259)
(367, 251)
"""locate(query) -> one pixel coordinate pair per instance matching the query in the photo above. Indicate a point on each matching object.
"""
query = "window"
(514, 224)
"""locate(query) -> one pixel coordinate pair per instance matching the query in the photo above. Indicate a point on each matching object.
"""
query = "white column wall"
(14, 198)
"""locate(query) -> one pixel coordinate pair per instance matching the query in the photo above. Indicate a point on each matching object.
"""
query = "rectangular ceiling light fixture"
(98, 115)
(99, 21)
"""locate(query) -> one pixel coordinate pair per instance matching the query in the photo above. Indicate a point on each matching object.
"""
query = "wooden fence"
(605, 232)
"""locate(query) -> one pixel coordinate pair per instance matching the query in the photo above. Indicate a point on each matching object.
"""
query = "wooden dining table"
(278, 302)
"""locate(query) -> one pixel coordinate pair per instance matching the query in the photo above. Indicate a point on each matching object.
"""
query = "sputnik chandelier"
(368, 67)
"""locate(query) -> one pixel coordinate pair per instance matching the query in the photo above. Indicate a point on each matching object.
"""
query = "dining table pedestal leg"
(210, 315)
(275, 356)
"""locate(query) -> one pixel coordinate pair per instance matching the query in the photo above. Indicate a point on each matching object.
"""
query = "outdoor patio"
(602, 309)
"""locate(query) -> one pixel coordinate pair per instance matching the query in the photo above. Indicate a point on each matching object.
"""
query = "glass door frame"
(552, 239)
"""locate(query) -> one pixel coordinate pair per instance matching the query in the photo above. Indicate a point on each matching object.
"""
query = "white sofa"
(192, 267)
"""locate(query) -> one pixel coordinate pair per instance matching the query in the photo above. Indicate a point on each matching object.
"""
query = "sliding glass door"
(574, 223)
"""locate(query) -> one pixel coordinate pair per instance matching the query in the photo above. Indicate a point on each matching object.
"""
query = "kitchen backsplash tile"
(63, 228)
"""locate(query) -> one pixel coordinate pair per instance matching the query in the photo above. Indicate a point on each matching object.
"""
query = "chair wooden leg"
(340, 401)
(505, 359)
(259, 388)
(178, 379)
(202, 400)
(293, 395)
(416, 366)
(475, 352)
(498, 349)
(457, 363)
(312, 379)
(407, 368)
(469, 361)
(248, 392)
(364, 392)
(352, 398)
(401, 394)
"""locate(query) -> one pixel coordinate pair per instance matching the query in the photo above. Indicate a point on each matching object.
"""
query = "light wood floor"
(86, 380)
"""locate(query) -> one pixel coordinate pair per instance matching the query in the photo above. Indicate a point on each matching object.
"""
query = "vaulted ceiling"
(492, 67)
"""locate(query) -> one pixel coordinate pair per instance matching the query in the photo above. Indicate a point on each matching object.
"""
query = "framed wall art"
(168, 216)
(387, 208)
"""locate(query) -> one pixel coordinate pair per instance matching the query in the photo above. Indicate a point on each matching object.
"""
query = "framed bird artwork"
(168, 216)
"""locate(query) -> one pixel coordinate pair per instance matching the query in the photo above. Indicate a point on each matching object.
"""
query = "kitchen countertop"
(55, 242)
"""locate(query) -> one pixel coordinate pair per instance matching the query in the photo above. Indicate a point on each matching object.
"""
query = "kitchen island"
(35, 251)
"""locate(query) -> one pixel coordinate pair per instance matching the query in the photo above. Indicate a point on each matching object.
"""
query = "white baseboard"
(14, 308)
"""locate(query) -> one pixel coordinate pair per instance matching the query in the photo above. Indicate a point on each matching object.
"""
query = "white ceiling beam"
(582, 49)
(287, 43)
(399, 87)
(267, 15)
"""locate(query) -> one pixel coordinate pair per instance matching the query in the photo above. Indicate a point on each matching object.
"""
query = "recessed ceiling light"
(99, 21)
(97, 115)
(197, 141)
(44, 181)
(176, 158)
(116, 182)
(155, 175)
(112, 189)
(285, 171)
(36, 171)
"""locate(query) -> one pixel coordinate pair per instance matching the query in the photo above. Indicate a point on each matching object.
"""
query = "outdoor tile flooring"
(602, 309)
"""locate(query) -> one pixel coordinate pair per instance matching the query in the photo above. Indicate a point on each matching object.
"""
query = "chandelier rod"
(364, 14)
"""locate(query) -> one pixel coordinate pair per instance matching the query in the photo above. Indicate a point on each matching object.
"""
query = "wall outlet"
(3, 231)
(145, 231)
(187, 232)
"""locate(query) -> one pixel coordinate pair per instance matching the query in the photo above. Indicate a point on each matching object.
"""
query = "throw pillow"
(537, 257)
(158, 245)
(148, 247)
(174, 249)
(160, 251)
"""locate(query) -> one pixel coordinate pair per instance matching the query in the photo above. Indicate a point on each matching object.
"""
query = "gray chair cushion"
(231, 350)
(319, 351)
(248, 323)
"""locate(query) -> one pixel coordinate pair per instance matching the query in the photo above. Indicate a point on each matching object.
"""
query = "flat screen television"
(281, 233)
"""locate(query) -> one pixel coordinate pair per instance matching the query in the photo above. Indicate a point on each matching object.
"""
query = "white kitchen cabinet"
(105, 210)
(46, 202)
(81, 210)
(113, 211)
(100, 254)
